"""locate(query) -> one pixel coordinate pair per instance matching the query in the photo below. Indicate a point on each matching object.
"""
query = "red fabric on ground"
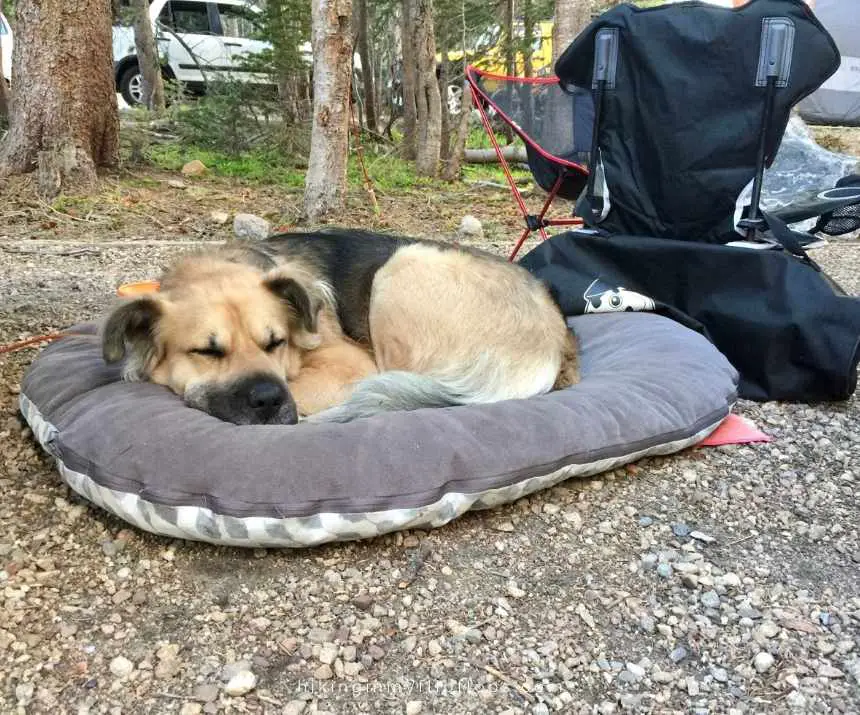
(734, 430)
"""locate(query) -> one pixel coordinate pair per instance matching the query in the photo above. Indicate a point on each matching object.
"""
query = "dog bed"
(650, 386)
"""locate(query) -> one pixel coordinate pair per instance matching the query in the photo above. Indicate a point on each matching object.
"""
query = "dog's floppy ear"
(304, 308)
(129, 332)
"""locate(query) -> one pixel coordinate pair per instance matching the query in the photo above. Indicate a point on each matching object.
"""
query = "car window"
(3, 30)
(192, 17)
(237, 21)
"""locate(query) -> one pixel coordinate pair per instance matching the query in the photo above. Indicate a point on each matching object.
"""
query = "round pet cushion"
(649, 386)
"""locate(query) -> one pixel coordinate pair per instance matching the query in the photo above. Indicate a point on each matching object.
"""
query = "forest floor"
(578, 599)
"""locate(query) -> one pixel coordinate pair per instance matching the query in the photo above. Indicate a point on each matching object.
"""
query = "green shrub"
(232, 117)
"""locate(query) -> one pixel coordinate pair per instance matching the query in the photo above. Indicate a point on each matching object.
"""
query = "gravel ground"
(721, 580)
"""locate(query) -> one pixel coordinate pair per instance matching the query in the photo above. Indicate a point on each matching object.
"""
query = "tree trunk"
(510, 54)
(357, 106)
(528, 37)
(427, 100)
(4, 102)
(455, 159)
(409, 75)
(367, 77)
(389, 78)
(4, 93)
(527, 45)
(325, 182)
(292, 94)
(510, 62)
(377, 84)
(571, 17)
(444, 80)
(286, 23)
(147, 58)
(64, 117)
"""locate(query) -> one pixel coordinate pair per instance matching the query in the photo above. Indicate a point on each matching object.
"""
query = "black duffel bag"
(786, 328)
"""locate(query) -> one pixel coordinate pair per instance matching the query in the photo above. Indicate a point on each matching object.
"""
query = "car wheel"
(131, 86)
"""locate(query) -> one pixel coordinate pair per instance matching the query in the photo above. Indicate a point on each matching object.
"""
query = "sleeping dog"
(340, 324)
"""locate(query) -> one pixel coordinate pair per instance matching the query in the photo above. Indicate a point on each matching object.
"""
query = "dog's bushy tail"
(393, 391)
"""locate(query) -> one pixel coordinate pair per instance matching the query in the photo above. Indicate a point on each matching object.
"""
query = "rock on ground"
(194, 168)
(470, 228)
(248, 227)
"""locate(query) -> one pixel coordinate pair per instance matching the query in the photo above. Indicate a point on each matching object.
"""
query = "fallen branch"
(494, 184)
(509, 681)
(63, 214)
(359, 152)
(79, 251)
(157, 136)
(512, 152)
(416, 563)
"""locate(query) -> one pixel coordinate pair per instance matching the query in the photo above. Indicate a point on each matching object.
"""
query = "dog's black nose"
(266, 397)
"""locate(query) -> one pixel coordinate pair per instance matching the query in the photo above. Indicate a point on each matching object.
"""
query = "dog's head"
(225, 336)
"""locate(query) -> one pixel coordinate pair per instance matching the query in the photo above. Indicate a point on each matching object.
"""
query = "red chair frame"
(534, 222)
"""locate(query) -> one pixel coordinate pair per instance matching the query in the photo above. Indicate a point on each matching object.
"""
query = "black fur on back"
(348, 260)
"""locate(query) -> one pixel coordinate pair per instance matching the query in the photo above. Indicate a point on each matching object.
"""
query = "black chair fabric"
(679, 130)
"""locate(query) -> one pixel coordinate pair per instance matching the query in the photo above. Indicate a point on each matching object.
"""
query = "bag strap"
(792, 241)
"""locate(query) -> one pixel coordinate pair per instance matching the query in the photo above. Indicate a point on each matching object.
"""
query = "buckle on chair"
(535, 222)
(752, 226)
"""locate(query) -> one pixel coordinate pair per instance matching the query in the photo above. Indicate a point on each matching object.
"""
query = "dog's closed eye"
(213, 349)
(209, 351)
(274, 343)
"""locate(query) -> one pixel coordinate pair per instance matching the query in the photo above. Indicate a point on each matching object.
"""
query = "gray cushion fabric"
(650, 386)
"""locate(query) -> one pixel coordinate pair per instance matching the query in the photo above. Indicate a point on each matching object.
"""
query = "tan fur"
(328, 375)
(568, 375)
(445, 313)
(204, 297)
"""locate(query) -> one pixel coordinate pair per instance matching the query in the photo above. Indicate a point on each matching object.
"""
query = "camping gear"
(658, 105)
(673, 199)
(691, 103)
(554, 125)
(136, 450)
(837, 101)
(775, 317)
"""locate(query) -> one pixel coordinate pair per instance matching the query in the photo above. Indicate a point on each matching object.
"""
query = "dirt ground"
(587, 598)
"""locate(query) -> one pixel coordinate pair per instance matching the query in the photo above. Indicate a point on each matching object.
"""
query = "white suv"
(198, 41)
(6, 47)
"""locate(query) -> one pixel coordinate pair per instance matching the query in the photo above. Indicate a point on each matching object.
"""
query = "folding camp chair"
(691, 103)
(555, 126)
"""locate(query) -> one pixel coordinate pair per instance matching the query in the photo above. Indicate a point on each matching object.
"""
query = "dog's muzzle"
(251, 400)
